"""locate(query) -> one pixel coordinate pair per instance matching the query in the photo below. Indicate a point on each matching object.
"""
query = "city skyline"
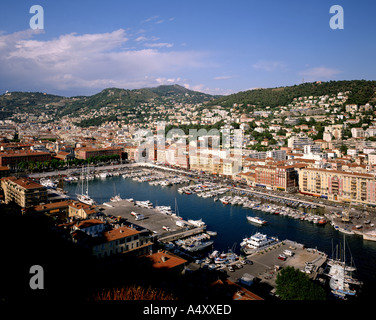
(216, 48)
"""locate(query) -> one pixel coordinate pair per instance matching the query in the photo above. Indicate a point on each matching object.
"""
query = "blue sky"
(219, 47)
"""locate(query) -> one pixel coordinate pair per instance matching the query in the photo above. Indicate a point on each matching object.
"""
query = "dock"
(163, 226)
(266, 265)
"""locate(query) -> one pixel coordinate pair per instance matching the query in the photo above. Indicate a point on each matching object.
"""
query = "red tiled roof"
(119, 233)
(165, 259)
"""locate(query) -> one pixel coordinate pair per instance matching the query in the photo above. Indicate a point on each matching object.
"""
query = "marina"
(228, 222)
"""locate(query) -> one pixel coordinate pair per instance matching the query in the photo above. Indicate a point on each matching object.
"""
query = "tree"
(343, 148)
(292, 284)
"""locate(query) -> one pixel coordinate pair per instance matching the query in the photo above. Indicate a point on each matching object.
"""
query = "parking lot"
(266, 264)
(160, 224)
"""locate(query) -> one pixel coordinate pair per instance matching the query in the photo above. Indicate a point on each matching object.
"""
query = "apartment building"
(122, 240)
(81, 210)
(131, 152)
(12, 158)
(204, 162)
(88, 152)
(282, 178)
(298, 142)
(92, 227)
(338, 185)
(23, 191)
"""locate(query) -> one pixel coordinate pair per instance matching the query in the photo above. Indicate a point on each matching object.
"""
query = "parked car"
(282, 257)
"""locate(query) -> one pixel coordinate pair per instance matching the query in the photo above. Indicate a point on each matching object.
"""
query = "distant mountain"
(121, 99)
(21, 102)
(361, 92)
(124, 99)
(124, 102)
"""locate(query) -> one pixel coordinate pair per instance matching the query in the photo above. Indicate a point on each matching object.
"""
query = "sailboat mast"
(87, 181)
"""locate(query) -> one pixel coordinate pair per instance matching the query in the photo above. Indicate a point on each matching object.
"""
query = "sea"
(232, 226)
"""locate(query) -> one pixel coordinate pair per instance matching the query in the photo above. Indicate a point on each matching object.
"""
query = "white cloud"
(202, 88)
(319, 73)
(269, 66)
(161, 81)
(153, 18)
(87, 62)
(159, 45)
(143, 38)
(223, 77)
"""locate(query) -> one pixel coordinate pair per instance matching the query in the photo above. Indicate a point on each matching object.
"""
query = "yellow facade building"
(338, 185)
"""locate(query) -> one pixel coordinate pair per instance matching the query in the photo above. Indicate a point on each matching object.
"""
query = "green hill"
(123, 99)
(361, 92)
(114, 98)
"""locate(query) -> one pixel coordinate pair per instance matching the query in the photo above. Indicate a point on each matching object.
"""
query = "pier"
(162, 225)
(181, 234)
(266, 265)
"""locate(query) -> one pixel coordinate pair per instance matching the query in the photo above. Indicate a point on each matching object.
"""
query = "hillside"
(23, 102)
(123, 99)
(361, 92)
(111, 98)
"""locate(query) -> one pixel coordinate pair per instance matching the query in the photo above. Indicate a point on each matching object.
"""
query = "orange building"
(13, 158)
(283, 178)
(88, 152)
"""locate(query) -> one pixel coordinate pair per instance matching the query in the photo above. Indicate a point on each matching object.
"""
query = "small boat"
(370, 235)
(116, 198)
(86, 199)
(256, 220)
(197, 223)
(199, 245)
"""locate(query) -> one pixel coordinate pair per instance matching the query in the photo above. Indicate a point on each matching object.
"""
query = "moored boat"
(257, 242)
(370, 235)
(256, 220)
(116, 198)
(198, 246)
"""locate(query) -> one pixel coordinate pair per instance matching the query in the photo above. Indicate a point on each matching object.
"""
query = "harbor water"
(232, 226)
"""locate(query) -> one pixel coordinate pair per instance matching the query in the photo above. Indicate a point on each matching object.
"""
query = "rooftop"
(121, 232)
(165, 259)
(24, 182)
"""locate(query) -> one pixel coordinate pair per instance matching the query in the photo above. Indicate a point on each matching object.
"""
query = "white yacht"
(86, 199)
(256, 220)
(197, 223)
(256, 242)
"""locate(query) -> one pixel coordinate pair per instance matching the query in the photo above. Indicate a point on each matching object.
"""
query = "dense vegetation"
(361, 92)
(292, 284)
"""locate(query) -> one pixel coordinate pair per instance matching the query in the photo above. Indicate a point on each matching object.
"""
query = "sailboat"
(116, 197)
(342, 283)
(84, 197)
